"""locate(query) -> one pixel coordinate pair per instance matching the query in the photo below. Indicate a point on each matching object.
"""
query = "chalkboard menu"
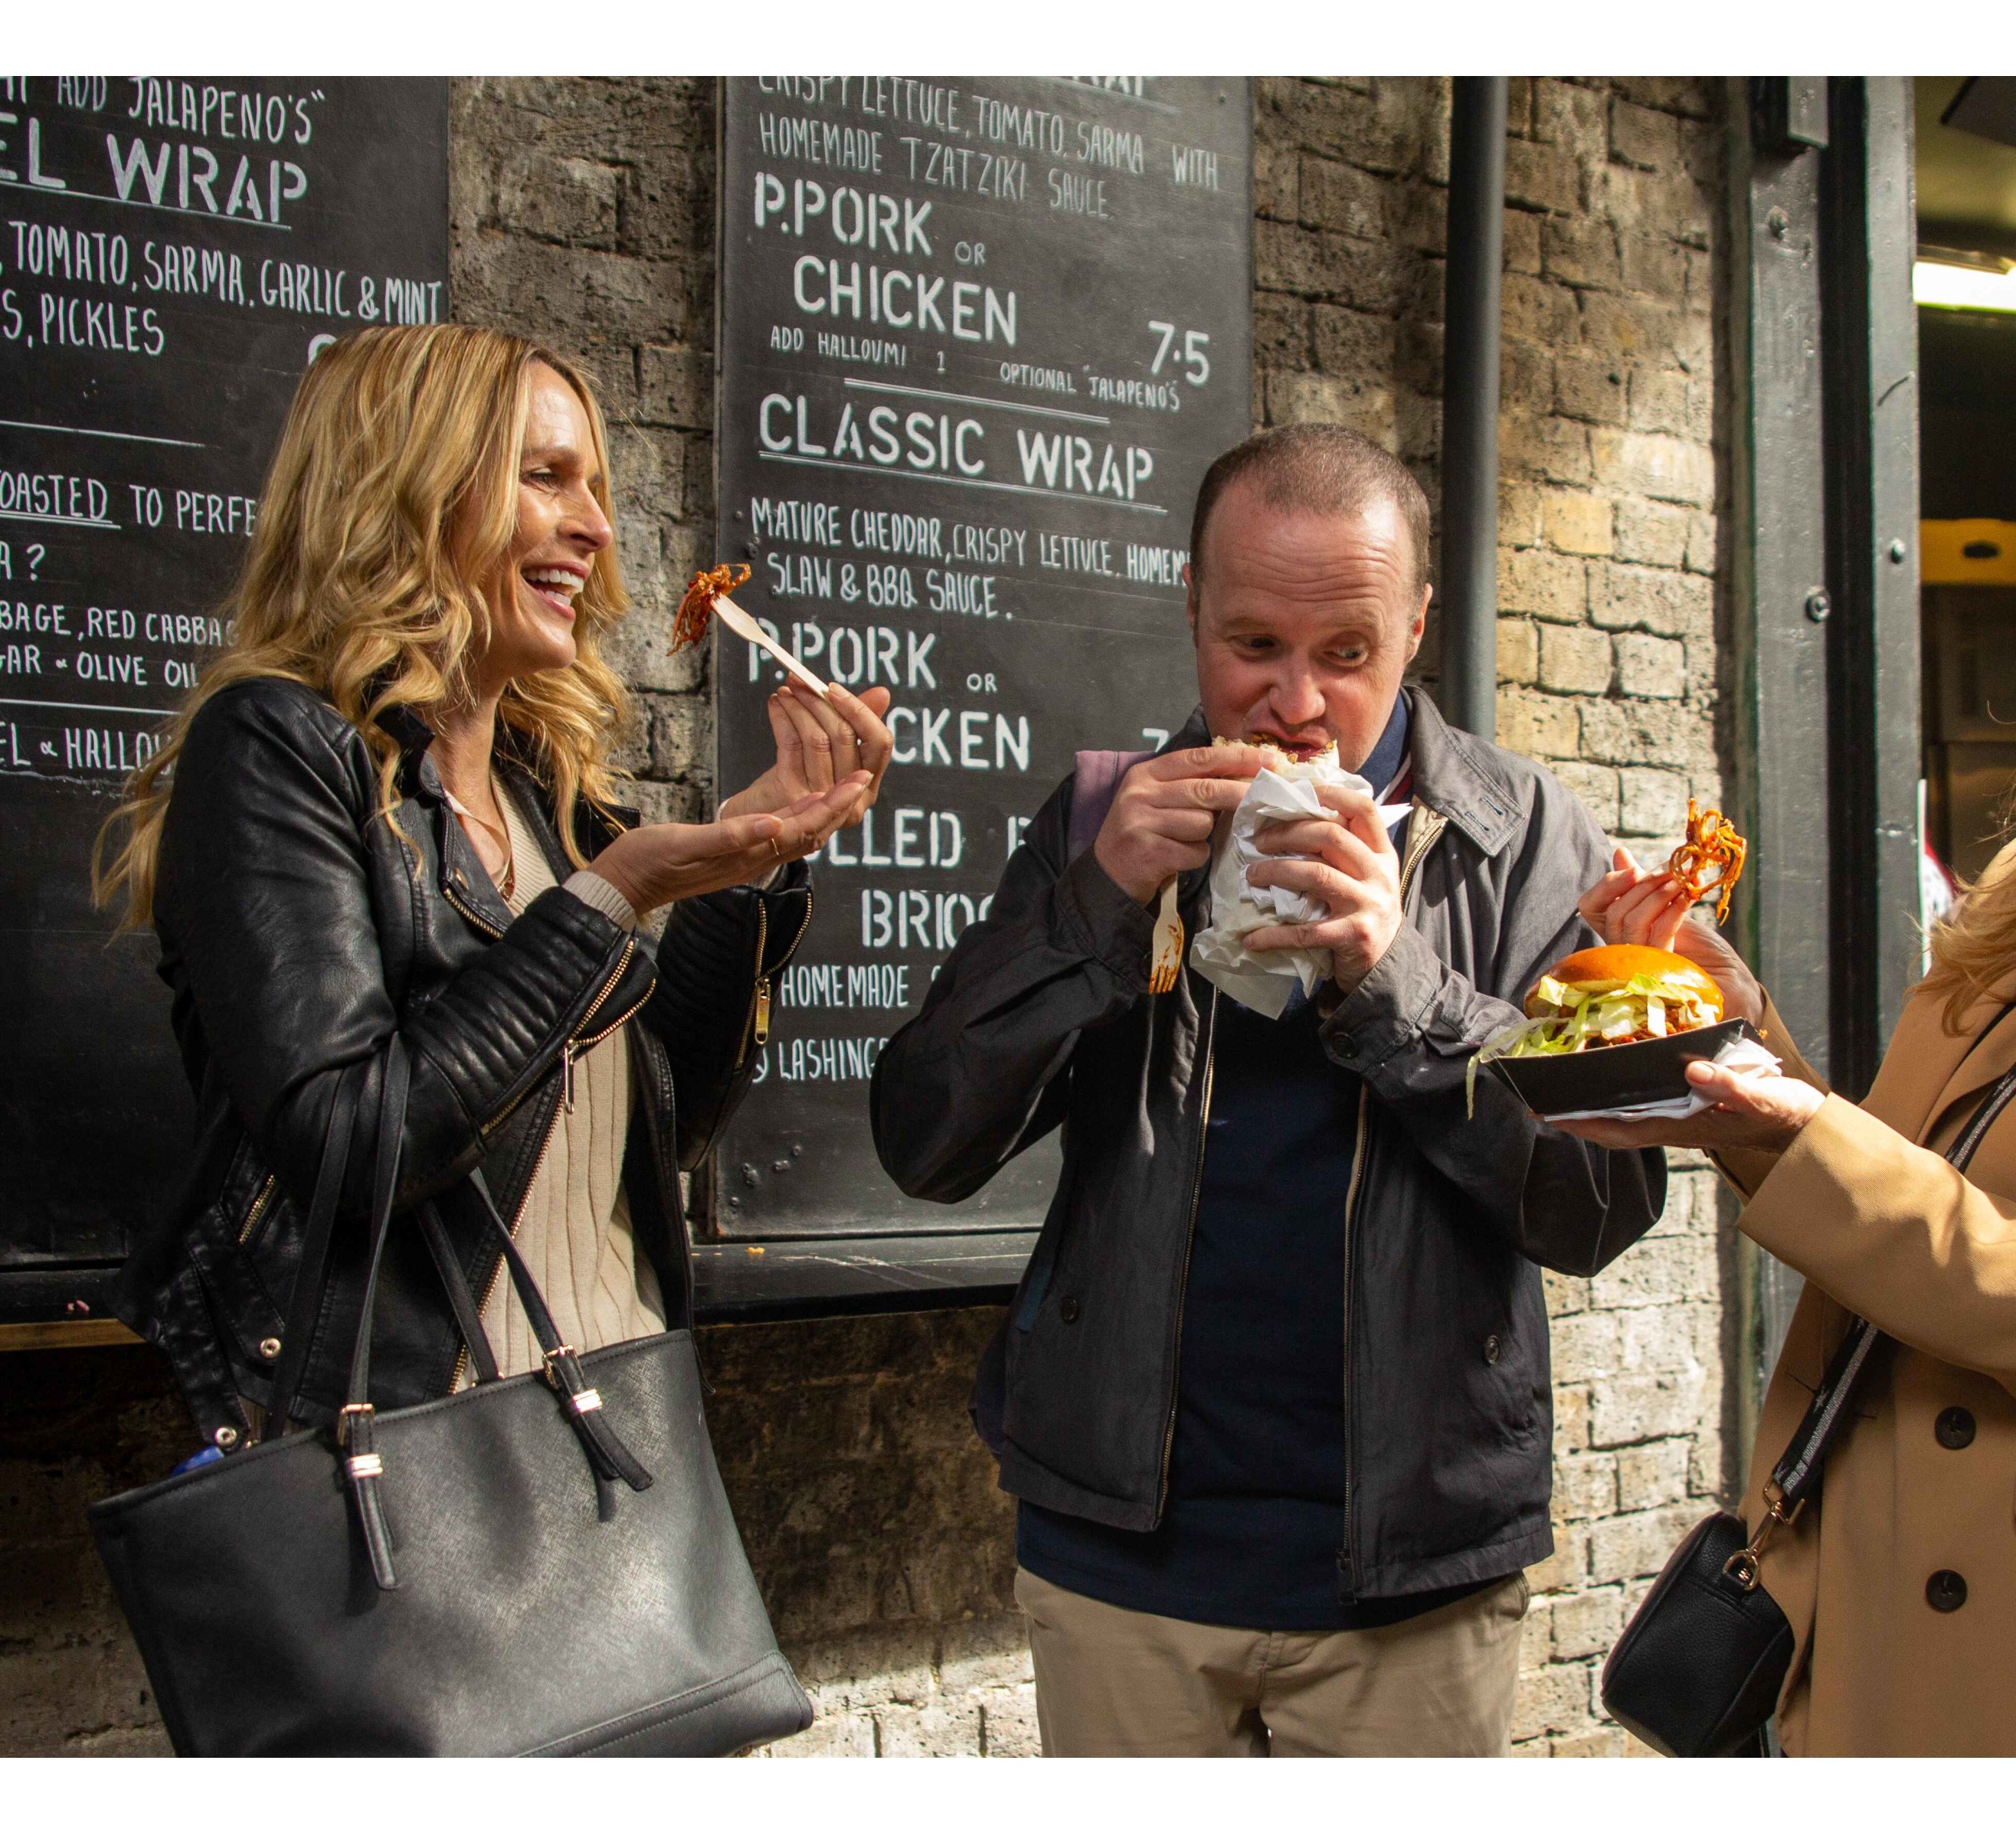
(979, 338)
(173, 253)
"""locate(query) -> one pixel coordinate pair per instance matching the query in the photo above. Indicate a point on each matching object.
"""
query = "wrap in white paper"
(1263, 981)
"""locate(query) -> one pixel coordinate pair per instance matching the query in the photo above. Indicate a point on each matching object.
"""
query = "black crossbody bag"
(1698, 1670)
(545, 1565)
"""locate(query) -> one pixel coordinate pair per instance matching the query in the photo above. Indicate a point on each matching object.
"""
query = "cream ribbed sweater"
(573, 1227)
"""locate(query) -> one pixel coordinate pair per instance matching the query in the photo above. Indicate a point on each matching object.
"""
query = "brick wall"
(583, 214)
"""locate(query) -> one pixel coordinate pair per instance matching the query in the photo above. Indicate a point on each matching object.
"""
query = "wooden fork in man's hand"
(1165, 958)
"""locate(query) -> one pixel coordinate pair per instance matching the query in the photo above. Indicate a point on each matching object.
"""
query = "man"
(1275, 1393)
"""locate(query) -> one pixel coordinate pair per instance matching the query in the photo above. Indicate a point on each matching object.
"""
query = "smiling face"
(1304, 622)
(561, 528)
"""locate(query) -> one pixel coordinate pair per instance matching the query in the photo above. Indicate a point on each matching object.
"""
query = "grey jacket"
(1041, 1018)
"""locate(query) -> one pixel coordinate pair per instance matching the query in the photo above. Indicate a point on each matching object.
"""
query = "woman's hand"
(1630, 903)
(1759, 1108)
(670, 859)
(820, 743)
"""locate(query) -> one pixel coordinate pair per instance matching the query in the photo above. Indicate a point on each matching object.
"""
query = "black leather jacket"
(299, 932)
(1041, 1018)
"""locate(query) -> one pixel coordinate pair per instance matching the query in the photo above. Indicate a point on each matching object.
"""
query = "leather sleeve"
(266, 893)
(980, 1073)
(703, 1009)
(1410, 1028)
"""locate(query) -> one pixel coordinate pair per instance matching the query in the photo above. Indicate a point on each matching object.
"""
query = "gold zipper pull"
(566, 1075)
(762, 1010)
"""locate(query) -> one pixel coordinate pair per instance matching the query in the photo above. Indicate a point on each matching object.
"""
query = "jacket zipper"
(263, 1196)
(1189, 1242)
(575, 1046)
(1427, 829)
(756, 1028)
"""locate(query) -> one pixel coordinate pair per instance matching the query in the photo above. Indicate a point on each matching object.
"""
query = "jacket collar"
(1461, 776)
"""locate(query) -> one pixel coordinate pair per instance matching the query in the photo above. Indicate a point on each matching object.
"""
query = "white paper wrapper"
(1264, 982)
(1739, 1053)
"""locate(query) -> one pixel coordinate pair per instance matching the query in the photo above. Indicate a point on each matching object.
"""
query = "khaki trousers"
(1113, 1683)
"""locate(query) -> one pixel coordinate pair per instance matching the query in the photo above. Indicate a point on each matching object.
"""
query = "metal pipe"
(1469, 695)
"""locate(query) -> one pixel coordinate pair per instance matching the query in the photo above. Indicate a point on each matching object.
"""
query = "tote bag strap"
(304, 1301)
(608, 1458)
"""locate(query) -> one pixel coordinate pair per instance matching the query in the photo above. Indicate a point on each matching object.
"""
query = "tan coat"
(1886, 1228)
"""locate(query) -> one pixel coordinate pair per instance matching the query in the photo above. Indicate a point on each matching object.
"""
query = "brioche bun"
(1626, 961)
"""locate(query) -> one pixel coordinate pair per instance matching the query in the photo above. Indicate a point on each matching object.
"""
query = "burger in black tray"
(1611, 1028)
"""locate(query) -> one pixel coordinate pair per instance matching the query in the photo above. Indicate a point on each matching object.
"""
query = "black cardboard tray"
(1624, 1076)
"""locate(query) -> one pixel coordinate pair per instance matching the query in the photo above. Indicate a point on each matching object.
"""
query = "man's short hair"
(1316, 467)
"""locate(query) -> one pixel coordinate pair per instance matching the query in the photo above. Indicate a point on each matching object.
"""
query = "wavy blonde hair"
(384, 535)
(1974, 951)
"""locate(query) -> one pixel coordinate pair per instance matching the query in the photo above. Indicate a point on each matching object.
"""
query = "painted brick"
(1649, 1476)
(1635, 1546)
(1658, 1272)
(1537, 724)
(1585, 1346)
(1639, 732)
(1526, 377)
(1552, 1698)
(1574, 660)
(1334, 195)
(1629, 1408)
(1650, 666)
(1554, 586)
(1542, 177)
(946, 1729)
(1580, 252)
(1570, 1419)
(1588, 387)
(1595, 788)
(1567, 1565)
(1654, 464)
(1518, 651)
(1643, 137)
(1587, 1624)
(566, 200)
(1008, 1724)
(1543, 446)
(1584, 1487)
(1654, 802)
(1576, 522)
(1653, 532)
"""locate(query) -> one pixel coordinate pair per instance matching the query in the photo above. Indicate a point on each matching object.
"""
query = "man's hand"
(1760, 1108)
(1344, 859)
(1161, 820)
(1632, 904)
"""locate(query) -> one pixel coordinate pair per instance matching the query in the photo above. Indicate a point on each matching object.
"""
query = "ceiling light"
(1966, 289)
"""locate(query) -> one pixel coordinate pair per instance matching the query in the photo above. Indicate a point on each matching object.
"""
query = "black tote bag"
(545, 1565)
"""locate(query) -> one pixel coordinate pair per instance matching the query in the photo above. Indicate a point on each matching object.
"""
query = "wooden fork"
(1165, 959)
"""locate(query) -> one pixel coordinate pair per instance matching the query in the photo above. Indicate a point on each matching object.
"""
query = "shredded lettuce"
(1592, 1015)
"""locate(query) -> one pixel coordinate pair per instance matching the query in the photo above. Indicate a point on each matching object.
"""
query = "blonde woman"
(388, 811)
(1899, 1578)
